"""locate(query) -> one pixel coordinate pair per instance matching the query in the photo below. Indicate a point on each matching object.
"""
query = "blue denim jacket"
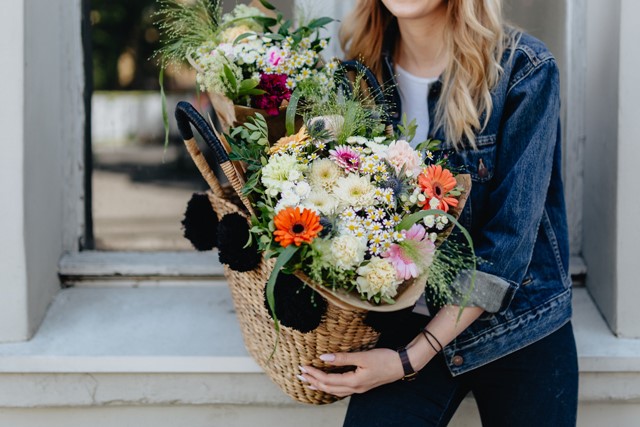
(516, 211)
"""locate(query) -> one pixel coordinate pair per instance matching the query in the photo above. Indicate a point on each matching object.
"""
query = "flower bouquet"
(246, 61)
(342, 219)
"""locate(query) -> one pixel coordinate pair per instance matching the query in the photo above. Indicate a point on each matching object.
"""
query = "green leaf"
(284, 28)
(242, 37)
(248, 84)
(228, 74)
(274, 36)
(267, 5)
(266, 22)
(290, 119)
(320, 22)
(251, 126)
(283, 258)
(165, 114)
(253, 92)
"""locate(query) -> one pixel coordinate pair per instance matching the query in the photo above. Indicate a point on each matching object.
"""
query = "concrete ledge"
(101, 264)
(182, 344)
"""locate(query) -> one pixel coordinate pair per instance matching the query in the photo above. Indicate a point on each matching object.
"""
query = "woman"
(492, 94)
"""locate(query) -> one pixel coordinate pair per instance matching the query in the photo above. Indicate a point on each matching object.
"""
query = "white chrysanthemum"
(347, 251)
(378, 277)
(321, 201)
(280, 168)
(303, 189)
(376, 148)
(354, 190)
(324, 173)
(360, 140)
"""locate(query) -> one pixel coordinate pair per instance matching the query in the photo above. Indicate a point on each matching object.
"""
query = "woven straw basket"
(340, 330)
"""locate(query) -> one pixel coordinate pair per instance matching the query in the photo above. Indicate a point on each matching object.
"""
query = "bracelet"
(409, 373)
(427, 334)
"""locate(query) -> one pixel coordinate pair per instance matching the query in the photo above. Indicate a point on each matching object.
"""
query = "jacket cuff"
(487, 291)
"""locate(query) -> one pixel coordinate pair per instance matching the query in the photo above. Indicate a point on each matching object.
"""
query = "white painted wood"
(628, 202)
(73, 116)
(13, 274)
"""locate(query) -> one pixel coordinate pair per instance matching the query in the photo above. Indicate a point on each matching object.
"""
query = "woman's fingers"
(343, 359)
(317, 377)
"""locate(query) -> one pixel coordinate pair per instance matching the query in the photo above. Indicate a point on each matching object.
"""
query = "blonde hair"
(475, 39)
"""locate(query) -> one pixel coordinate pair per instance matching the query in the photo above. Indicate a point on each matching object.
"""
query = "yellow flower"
(291, 141)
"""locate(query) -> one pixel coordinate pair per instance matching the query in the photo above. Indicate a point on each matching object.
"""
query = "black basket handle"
(187, 115)
(371, 81)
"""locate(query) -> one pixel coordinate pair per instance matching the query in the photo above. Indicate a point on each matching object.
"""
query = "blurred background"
(139, 188)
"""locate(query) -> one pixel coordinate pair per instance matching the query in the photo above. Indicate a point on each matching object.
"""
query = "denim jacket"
(515, 212)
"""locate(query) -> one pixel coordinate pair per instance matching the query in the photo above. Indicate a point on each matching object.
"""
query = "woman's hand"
(373, 368)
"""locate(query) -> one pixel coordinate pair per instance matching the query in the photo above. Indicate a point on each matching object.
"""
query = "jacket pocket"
(480, 163)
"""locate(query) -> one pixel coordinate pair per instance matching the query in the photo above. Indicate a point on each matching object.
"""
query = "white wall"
(601, 159)
(13, 278)
(41, 167)
(628, 200)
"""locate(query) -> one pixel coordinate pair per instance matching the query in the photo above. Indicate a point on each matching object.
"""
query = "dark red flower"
(277, 91)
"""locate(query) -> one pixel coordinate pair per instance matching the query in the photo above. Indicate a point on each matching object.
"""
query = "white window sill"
(162, 344)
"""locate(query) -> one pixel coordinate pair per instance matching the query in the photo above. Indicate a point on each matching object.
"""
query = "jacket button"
(457, 360)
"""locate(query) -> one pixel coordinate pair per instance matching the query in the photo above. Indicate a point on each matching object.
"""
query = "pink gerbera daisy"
(412, 256)
(346, 158)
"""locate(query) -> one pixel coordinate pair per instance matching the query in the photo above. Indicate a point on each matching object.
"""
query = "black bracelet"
(430, 343)
(425, 331)
(409, 373)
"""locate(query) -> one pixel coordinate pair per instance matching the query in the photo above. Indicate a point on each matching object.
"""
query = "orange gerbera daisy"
(436, 182)
(296, 226)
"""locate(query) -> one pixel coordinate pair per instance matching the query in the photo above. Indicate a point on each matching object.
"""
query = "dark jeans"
(535, 386)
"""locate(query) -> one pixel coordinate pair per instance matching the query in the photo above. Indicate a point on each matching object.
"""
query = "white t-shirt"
(414, 93)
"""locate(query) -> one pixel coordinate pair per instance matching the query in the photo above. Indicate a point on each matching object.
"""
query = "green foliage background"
(118, 26)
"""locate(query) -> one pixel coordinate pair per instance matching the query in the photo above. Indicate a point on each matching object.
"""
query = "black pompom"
(233, 235)
(297, 306)
(397, 328)
(200, 223)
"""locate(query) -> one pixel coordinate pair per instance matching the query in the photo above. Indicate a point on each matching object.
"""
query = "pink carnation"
(275, 86)
(412, 256)
(401, 155)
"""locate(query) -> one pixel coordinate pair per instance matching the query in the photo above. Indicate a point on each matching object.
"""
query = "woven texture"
(340, 330)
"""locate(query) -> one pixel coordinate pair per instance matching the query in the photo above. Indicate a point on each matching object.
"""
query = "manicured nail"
(301, 378)
(304, 371)
(310, 387)
(328, 357)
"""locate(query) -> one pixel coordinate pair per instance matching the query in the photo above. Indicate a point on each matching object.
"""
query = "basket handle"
(187, 115)
(372, 82)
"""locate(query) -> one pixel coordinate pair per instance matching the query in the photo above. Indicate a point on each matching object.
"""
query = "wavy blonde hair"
(475, 39)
